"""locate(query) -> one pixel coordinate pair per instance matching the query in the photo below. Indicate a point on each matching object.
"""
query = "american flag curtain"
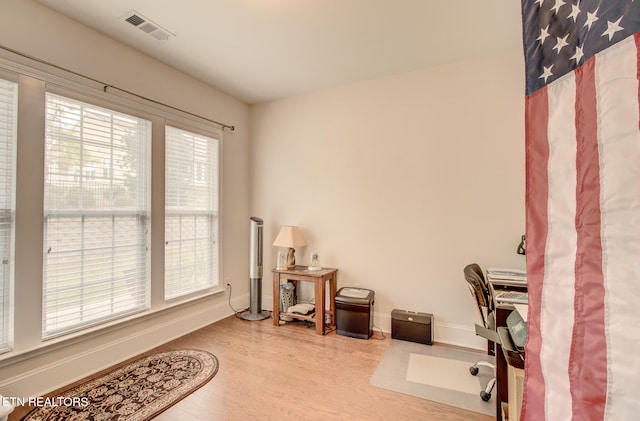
(582, 209)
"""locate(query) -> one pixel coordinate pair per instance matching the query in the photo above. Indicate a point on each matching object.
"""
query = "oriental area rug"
(136, 391)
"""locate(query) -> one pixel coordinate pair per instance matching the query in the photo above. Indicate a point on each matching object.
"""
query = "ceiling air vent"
(148, 27)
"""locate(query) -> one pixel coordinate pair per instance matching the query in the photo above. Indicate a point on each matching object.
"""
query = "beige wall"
(32, 29)
(400, 182)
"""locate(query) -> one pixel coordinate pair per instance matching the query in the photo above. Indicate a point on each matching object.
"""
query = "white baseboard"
(43, 376)
(451, 334)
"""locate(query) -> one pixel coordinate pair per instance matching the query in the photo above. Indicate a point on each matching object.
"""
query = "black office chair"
(480, 292)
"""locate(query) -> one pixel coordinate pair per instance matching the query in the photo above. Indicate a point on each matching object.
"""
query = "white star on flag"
(544, 33)
(547, 73)
(557, 6)
(612, 28)
(561, 43)
(591, 18)
(575, 11)
(578, 55)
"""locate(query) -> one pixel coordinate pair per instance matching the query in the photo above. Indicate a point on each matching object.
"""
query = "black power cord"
(235, 312)
(381, 332)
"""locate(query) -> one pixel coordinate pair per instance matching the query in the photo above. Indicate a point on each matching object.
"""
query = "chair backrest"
(479, 289)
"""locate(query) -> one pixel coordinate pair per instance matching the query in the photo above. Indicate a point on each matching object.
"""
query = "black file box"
(412, 326)
(354, 312)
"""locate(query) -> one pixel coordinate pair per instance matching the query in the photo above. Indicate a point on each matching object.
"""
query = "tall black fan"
(255, 273)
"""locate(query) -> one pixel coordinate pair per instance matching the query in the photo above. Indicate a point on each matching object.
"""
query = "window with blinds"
(191, 212)
(96, 200)
(8, 138)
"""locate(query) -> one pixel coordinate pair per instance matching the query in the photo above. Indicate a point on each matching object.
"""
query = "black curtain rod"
(106, 86)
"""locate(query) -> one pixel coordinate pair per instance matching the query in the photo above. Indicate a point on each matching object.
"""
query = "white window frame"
(192, 190)
(8, 144)
(121, 292)
(34, 82)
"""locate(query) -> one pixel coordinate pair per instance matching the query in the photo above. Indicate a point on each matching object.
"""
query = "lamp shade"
(290, 236)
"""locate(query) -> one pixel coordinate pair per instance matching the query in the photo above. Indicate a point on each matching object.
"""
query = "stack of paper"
(501, 274)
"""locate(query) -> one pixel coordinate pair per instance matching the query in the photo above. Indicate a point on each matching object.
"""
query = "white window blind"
(8, 133)
(96, 215)
(191, 212)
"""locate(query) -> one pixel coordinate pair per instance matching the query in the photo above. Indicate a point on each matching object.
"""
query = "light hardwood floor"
(290, 373)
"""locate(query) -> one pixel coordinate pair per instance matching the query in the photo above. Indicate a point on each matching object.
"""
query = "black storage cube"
(412, 326)
(354, 312)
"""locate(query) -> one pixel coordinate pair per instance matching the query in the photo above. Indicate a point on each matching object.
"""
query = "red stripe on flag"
(537, 157)
(588, 355)
(636, 38)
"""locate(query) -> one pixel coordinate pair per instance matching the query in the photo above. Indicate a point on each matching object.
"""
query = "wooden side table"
(320, 279)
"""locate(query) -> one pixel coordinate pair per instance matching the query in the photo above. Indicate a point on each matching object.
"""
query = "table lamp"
(290, 236)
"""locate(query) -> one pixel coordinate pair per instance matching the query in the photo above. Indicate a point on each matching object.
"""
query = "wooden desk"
(506, 357)
(516, 391)
(320, 279)
(503, 353)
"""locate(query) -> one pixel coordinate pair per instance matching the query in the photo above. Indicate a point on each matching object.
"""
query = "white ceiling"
(260, 50)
